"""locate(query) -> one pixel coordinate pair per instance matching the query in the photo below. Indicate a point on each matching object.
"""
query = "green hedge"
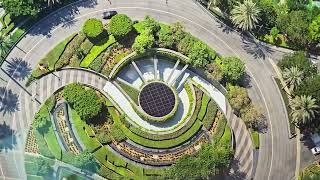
(151, 143)
(204, 103)
(96, 51)
(219, 129)
(92, 27)
(212, 110)
(69, 51)
(86, 46)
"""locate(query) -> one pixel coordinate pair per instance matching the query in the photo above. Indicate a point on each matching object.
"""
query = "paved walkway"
(277, 152)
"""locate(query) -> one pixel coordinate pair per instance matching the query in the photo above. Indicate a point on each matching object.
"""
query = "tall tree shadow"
(65, 17)
(7, 138)
(225, 28)
(9, 102)
(257, 49)
(235, 173)
(18, 69)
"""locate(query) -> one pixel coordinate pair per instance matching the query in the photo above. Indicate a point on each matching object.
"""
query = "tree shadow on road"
(18, 69)
(7, 138)
(9, 102)
(235, 172)
(256, 49)
(225, 28)
(64, 17)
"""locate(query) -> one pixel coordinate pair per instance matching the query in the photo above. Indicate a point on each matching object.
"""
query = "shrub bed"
(204, 103)
(96, 51)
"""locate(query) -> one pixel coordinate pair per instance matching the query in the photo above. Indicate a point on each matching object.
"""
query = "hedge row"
(69, 51)
(204, 103)
(219, 129)
(168, 136)
(208, 119)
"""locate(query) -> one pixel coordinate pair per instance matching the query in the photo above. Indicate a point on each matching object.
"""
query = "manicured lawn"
(255, 138)
(52, 143)
(132, 92)
(81, 126)
(151, 143)
(226, 137)
(53, 56)
(96, 50)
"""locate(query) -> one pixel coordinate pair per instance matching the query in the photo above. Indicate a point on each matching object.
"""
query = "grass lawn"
(81, 126)
(132, 92)
(226, 137)
(162, 144)
(286, 102)
(53, 56)
(52, 143)
(255, 138)
(95, 51)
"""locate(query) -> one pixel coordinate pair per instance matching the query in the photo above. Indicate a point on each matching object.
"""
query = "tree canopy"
(143, 41)
(233, 68)
(92, 27)
(237, 96)
(211, 160)
(120, 25)
(21, 7)
(84, 101)
(299, 60)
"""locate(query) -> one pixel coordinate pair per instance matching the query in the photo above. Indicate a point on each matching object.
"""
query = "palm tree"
(304, 109)
(5, 44)
(245, 15)
(292, 77)
(52, 2)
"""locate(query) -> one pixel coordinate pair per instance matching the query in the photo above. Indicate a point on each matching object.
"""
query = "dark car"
(108, 14)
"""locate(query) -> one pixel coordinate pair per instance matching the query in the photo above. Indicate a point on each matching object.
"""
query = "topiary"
(92, 28)
(120, 25)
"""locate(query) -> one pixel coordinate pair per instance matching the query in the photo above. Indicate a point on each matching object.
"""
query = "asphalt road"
(277, 153)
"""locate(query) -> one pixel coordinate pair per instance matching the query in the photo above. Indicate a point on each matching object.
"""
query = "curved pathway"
(277, 152)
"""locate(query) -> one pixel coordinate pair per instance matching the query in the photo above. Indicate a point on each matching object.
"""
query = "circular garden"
(89, 129)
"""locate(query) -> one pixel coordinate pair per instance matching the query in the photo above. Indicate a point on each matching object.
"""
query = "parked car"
(108, 14)
(315, 150)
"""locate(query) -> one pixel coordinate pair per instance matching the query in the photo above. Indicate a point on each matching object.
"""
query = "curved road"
(277, 153)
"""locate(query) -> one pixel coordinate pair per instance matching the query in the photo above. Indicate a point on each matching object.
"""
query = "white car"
(315, 150)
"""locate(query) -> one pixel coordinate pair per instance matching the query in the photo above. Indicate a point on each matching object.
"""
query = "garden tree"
(151, 24)
(5, 43)
(237, 96)
(211, 160)
(117, 134)
(268, 13)
(43, 167)
(245, 15)
(233, 68)
(314, 29)
(214, 71)
(299, 60)
(84, 160)
(274, 33)
(85, 102)
(165, 37)
(295, 4)
(41, 120)
(120, 25)
(92, 28)
(296, 26)
(292, 77)
(200, 54)
(304, 109)
(310, 87)
(252, 116)
(21, 7)
(178, 31)
(185, 44)
(143, 41)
